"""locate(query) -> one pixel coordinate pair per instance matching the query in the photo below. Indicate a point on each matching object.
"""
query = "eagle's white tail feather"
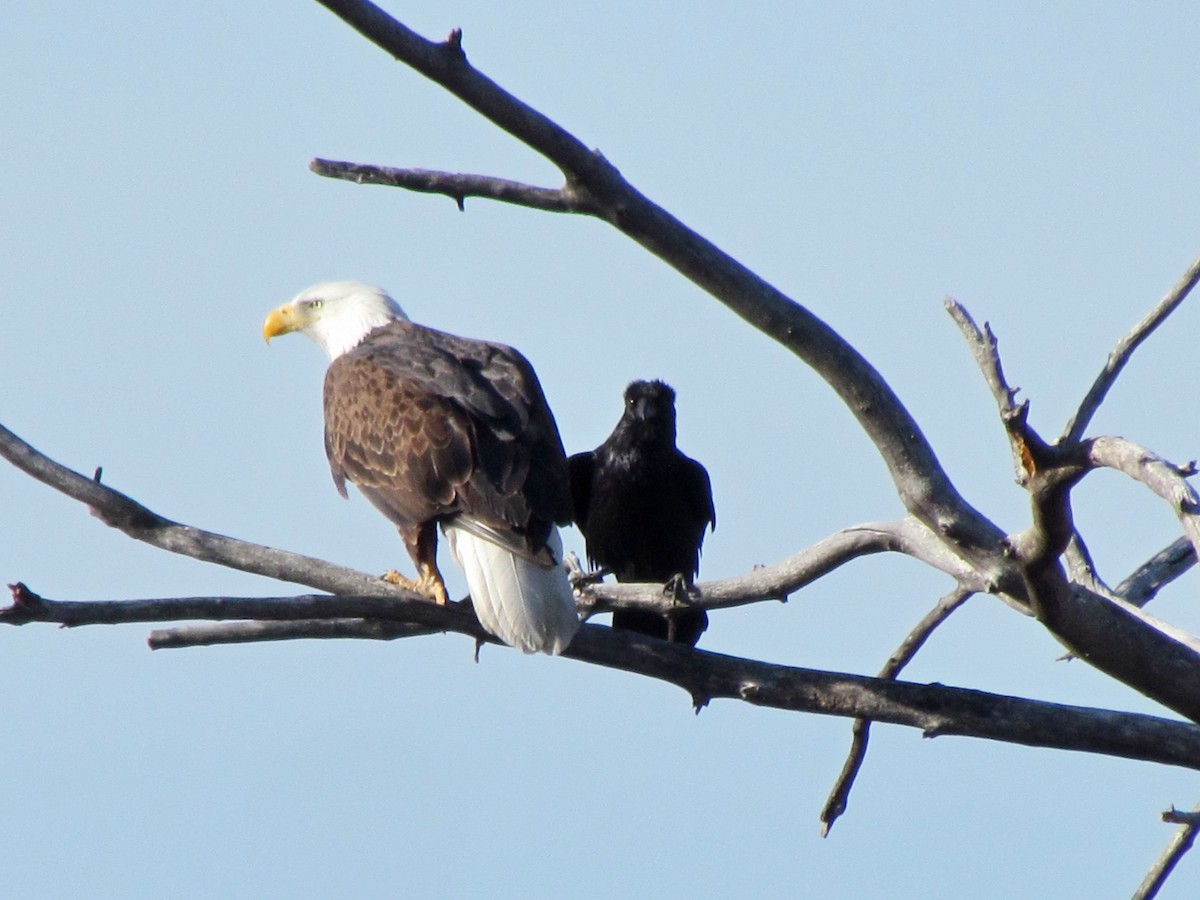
(527, 605)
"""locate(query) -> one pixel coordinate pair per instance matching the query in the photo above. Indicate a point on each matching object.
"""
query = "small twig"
(1157, 572)
(1082, 568)
(1179, 845)
(1175, 816)
(983, 347)
(460, 185)
(1124, 350)
(860, 731)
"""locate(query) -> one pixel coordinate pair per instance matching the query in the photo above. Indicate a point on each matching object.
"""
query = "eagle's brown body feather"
(432, 427)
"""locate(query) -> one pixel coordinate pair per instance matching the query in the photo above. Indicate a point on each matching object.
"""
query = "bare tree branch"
(372, 595)
(1180, 844)
(29, 607)
(125, 514)
(1115, 637)
(935, 709)
(1157, 572)
(1164, 478)
(1081, 568)
(301, 629)
(907, 536)
(861, 730)
(983, 347)
(1124, 350)
(459, 186)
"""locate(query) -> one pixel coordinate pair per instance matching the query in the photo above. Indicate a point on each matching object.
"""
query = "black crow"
(643, 508)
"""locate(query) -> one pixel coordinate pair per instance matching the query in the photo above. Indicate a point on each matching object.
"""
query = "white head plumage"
(337, 315)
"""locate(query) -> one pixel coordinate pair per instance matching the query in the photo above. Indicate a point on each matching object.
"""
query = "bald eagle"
(442, 431)
(643, 507)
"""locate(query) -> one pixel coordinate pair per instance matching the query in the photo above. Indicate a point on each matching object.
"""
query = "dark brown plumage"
(432, 427)
(643, 507)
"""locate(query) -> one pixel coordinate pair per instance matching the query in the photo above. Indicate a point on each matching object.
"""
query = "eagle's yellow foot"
(429, 584)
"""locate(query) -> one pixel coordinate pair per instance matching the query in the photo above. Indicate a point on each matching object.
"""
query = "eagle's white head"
(335, 314)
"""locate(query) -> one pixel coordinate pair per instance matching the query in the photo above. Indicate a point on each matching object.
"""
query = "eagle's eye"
(314, 304)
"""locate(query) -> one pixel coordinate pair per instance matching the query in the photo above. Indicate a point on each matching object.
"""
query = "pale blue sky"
(1039, 164)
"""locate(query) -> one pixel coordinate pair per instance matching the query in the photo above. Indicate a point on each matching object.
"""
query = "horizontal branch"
(29, 607)
(459, 186)
(907, 536)
(254, 632)
(935, 709)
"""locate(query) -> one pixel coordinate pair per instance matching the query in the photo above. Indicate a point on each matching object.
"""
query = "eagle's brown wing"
(429, 426)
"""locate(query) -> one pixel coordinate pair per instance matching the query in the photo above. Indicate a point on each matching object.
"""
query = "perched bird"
(442, 431)
(643, 507)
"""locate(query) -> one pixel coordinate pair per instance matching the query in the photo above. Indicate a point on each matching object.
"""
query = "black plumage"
(643, 507)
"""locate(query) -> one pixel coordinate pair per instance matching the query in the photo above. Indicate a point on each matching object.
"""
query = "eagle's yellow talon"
(429, 585)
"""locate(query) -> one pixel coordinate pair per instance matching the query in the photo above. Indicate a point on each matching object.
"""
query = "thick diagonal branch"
(922, 484)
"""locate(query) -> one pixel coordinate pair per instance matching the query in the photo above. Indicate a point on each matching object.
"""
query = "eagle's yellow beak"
(283, 320)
